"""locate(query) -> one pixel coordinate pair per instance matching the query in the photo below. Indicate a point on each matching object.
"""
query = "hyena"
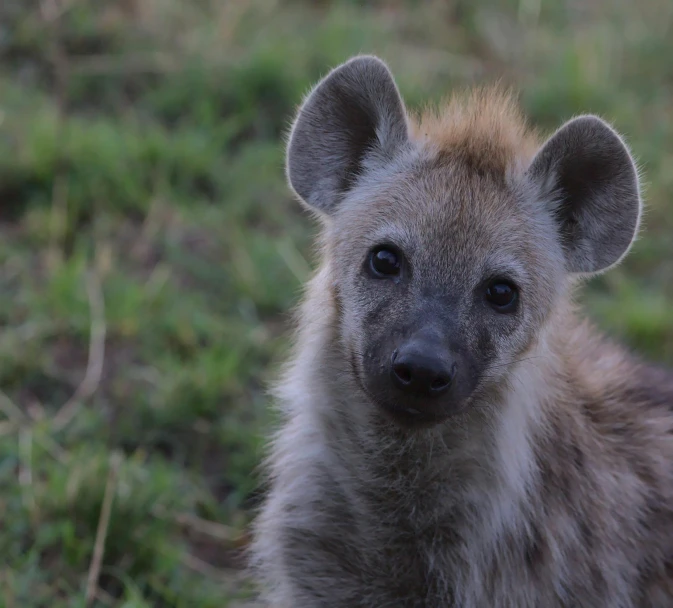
(452, 433)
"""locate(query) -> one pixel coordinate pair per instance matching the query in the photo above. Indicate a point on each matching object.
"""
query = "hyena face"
(443, 279)
(449, 243)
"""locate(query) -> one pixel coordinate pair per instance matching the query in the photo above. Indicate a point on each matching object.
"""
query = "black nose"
(417, 369)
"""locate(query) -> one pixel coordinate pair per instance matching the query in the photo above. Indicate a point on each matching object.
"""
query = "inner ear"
(590, 181)
(361, 121)
(581, 180)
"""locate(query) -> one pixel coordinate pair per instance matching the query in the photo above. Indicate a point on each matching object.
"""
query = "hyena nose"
(418, 372)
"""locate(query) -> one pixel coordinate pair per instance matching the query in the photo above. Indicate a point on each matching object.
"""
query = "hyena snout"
(419, 379)
(422, 368)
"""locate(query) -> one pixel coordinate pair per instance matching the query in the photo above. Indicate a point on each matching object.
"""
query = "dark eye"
(384, 262)
(502, 295)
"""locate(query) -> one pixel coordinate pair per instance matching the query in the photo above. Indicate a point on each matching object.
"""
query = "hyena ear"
(353, 118)
(587, 171)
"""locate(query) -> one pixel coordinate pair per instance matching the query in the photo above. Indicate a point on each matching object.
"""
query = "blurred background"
(150, 250)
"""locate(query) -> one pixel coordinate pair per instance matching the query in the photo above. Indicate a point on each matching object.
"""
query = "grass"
(150, 251)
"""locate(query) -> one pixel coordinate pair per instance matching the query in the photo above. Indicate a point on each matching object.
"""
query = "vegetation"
(150, 250)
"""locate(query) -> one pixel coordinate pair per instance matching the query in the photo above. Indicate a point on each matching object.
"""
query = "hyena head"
(449, 241)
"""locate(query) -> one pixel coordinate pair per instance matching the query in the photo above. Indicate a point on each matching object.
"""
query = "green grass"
(143, 197)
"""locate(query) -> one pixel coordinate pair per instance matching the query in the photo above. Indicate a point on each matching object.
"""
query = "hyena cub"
(453, 434)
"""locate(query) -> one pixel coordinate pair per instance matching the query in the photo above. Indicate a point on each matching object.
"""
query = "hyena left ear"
(587, 172)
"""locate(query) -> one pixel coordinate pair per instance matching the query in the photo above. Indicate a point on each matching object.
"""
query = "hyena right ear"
(353, 119)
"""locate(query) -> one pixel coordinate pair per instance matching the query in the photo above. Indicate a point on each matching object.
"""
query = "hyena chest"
(411, 577)
(436, 570)
(452, 562)
(420, 566)
(452, 566)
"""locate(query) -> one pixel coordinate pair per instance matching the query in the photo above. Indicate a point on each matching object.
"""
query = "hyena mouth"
(411, 417)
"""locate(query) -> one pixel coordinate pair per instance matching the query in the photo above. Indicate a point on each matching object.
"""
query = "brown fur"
(546, 479)
(484, 127)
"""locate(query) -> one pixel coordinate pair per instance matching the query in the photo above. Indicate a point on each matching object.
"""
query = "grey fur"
(552, 485)
(589, 169)
(353, 116)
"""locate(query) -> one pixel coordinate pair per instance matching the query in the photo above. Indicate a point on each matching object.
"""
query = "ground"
(150, 251)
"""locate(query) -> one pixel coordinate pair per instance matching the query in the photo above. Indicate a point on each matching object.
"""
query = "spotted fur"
(552, 484)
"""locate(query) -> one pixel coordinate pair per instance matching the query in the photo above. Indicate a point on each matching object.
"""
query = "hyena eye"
(502, 295)
(384, 262)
